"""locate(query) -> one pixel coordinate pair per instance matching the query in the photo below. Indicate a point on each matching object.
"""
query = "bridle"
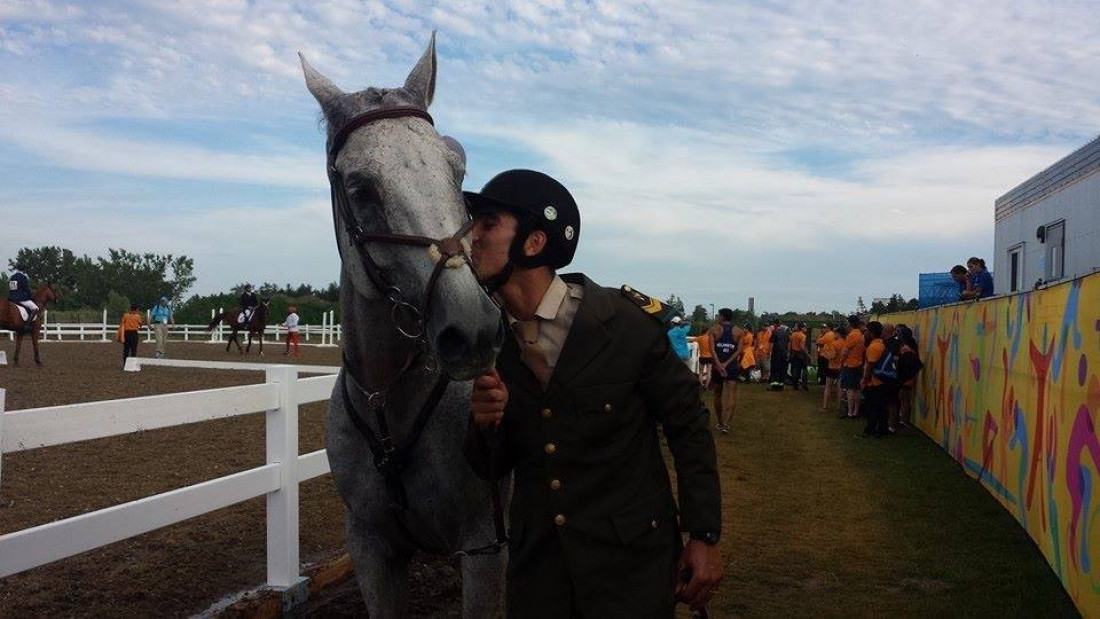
(409, 320)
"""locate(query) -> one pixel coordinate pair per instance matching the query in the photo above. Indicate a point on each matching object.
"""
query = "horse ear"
(319, 86)
(421, 80)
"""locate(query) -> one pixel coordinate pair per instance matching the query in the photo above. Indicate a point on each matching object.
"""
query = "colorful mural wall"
(1011, 389)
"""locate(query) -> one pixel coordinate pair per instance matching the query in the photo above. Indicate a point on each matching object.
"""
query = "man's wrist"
(709, 538)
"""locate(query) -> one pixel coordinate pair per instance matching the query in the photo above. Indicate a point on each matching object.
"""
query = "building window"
(1016, 268)
(1056, 251)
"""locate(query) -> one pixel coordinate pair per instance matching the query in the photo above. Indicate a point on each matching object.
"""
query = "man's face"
(888, 331)
(492, 237)
(959, 277)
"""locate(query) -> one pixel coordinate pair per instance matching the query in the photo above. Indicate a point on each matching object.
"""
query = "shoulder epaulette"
(648, 304)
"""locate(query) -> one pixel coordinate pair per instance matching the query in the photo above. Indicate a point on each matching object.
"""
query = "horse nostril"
(450, 344)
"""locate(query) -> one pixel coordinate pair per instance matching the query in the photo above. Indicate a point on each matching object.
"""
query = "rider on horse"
(19, 293)
(249, 301)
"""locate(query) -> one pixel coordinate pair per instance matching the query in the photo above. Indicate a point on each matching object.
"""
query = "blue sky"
(800, 152)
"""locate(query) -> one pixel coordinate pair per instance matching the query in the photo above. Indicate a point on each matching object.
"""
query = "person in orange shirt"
(128, 332)
(748, 358)
(829, 347)
(875, 392)
(822, 362)
(764, 353)
(706, 357)
(799, 357)
(852, 371)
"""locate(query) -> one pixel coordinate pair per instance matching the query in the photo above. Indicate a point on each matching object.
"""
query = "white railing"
(279, 397)
(326, 334)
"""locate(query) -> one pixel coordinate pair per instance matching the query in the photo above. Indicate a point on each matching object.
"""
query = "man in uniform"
(19, 292)
(249, 301)
(576, 399)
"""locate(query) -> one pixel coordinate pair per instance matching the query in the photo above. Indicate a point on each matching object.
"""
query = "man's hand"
(488, 399)
(705, 565)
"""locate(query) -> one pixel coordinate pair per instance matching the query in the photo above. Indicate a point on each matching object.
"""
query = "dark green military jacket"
(593, 522)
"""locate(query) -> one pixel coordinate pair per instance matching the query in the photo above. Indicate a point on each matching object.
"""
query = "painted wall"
(1011, 389)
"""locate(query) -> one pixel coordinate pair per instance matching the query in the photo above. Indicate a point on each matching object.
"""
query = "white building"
(1048, 228)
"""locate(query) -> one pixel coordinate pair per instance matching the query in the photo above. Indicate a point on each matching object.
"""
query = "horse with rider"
(22, 314)
(249, 316)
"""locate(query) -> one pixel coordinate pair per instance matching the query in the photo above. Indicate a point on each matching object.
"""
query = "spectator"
(826, 336)
(677, 335)
(981, 281)
(162, 317)
(800, 357)
(890, 389)
(780, 341)
(764, 352)
(725, 365)
(748, 358)
(291, 324)
(128, 332)
(958, 273)
(909, 366)
(852, 370)
(874, 391)
(706, 357)
(831, 351)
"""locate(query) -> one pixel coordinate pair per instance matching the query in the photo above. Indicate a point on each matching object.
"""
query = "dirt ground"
(178, 570)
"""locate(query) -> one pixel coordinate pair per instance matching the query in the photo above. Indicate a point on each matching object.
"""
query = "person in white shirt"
(291, 324)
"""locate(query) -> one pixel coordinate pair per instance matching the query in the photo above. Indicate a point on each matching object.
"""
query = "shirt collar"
(551, 300)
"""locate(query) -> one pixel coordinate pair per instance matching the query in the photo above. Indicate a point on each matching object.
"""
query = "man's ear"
(535, 243)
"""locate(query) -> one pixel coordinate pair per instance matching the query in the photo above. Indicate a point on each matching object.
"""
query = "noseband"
(447, 252)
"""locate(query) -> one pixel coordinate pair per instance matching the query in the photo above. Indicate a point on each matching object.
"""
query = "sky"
(800, 152)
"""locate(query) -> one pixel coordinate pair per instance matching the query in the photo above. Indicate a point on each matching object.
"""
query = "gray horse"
(401, 177)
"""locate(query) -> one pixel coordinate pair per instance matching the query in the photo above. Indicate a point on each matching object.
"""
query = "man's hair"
(726, 313)
(854, 320)
(958, 269)
(133, 307)
(874, 328)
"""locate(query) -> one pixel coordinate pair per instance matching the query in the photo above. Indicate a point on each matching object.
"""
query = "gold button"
(555, 484)
(559, 520)
(607, 408)
(653, 524)
(547, 413)
(551, 448)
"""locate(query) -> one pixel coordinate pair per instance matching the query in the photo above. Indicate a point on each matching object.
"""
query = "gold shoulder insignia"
(648, 304)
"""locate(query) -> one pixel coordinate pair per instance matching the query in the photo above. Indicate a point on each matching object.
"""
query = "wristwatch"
(710, 538)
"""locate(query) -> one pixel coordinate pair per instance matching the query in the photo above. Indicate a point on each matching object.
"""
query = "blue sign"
(937, 289)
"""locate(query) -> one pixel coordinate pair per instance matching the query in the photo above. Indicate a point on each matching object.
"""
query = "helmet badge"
(569, 233)
(551, 213)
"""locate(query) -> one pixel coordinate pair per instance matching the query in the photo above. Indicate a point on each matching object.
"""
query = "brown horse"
(255, 325)
(12, 320)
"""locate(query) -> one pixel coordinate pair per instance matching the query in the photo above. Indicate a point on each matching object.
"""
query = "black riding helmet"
(539, 203)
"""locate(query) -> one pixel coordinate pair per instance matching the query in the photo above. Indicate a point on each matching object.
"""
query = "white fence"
(278, 479)
(328, 333)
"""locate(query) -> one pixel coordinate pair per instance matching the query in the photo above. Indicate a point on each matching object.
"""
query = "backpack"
(886, 369)
(909, 365)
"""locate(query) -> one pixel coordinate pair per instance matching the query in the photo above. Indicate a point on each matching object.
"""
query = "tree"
(675, 305)
(861, 307)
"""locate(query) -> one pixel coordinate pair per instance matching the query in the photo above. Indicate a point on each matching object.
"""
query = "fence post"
(104, 324)
(282, 505)
(2, 393)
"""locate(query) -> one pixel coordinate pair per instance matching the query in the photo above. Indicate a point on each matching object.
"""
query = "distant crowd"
(871, 367)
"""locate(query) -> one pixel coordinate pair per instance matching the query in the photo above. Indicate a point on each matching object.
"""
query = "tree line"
(88, 284)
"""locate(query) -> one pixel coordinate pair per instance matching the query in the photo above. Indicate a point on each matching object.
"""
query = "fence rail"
(278, 397)
(328, 333)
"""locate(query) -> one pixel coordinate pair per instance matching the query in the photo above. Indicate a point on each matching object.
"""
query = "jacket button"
(547, 413)
(653, 524)
(607, 408)
(559, 520)
(550, 449)
(555, 484)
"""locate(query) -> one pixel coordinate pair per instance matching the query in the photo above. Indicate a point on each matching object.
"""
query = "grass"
(819, 521)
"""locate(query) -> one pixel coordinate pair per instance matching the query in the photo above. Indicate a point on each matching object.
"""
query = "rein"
(409, 320)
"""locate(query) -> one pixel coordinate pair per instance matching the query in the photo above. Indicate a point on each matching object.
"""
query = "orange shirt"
(131, 321)
(798, 341)
(825, 338)
(706, 346)
(834, 344)
(874, 353)
(765, 342)
(748, 360)
(854, 344)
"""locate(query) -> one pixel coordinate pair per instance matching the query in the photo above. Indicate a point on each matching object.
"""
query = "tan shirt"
(555, 315)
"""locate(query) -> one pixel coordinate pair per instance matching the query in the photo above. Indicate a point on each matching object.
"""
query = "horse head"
(401, 177)
(46, 295)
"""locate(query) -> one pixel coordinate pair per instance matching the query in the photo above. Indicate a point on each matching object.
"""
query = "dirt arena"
(182, 569)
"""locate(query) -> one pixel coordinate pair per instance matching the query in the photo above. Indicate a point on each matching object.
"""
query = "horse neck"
(42, 299)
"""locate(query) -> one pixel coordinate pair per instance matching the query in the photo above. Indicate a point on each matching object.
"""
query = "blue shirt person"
(677, 336)
(162, 311)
